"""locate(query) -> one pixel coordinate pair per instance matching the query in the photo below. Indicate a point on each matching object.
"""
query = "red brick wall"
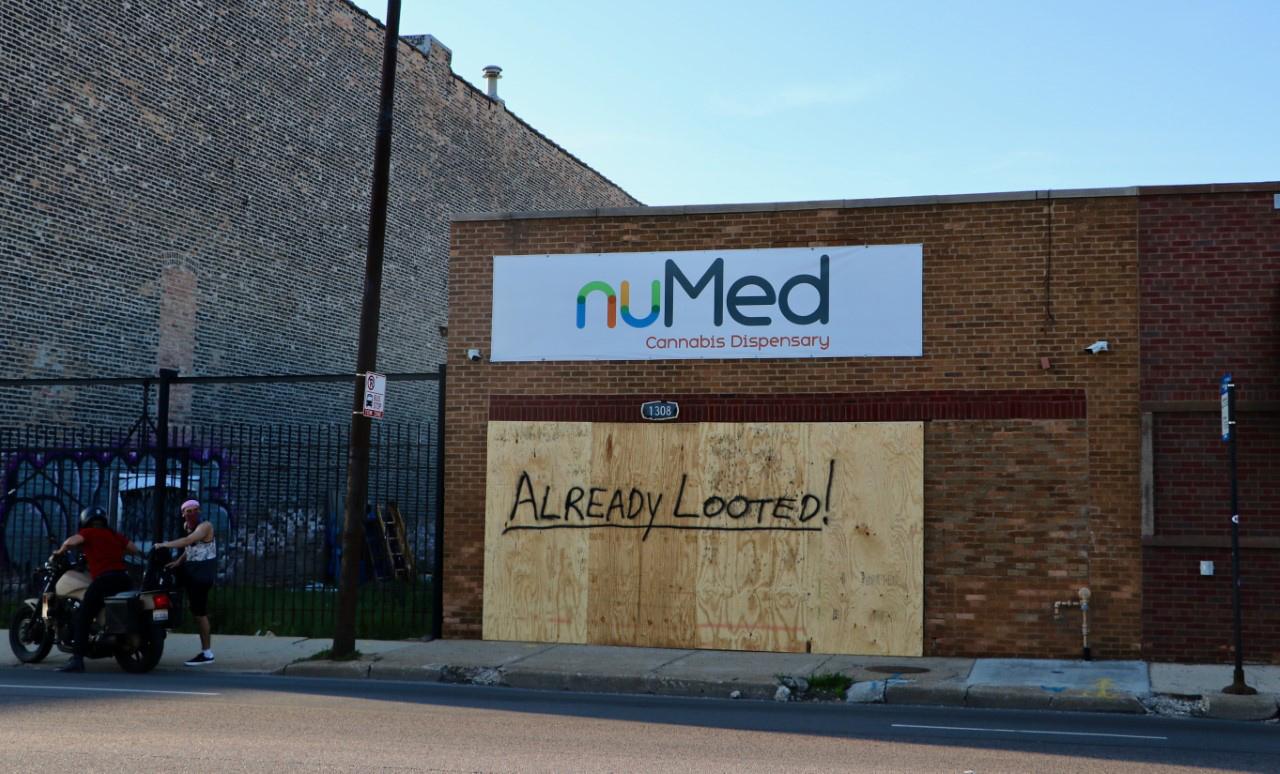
(1006, 535)
(1193, 475)
(1210, 274)
(1210, 294)
(1188, 617)
(1006, 283)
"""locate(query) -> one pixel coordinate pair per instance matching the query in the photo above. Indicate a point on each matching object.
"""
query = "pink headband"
(190, 504)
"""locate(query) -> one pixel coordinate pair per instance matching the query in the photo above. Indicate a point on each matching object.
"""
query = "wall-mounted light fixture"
(1097, 347)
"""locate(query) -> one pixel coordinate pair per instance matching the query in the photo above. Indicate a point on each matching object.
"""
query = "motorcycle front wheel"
(29, 637)
(144, 657)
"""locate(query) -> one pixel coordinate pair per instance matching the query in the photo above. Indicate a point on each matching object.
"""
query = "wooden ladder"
(393, 535)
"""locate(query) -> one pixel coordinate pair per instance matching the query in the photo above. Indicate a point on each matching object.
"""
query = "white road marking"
(1029, 731)
(105, 690)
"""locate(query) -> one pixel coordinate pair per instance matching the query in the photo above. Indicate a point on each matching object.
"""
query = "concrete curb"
(539, 680)
(947, 694)
(319, 668)
(428, 673)
(1228, 707)
(713, 689)
(545, 680)
(1007, 697)
(1114, 702)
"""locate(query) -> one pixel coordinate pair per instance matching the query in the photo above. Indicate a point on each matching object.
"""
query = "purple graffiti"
(49, 486)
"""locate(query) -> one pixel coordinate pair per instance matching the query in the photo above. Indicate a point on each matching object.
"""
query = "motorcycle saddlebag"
(123, 611)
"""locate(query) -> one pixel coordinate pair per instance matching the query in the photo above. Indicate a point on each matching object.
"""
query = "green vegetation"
(384, 611)
(829, 684)
(7, 609)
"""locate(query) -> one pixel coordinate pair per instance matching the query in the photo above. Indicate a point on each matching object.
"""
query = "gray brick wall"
(186, 185)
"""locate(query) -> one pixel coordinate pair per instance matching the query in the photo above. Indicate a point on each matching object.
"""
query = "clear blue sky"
(685, 102)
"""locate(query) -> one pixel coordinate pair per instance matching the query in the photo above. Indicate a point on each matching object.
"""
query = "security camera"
(473, 355)
(1096, 347)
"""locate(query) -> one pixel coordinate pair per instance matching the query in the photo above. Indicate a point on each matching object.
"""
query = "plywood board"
(668, 557)
(614, 561)
(868, 570)
(535, 582)
(749, 592)
(745, 536)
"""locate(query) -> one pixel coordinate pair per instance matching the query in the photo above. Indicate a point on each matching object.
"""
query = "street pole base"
(1238, 687)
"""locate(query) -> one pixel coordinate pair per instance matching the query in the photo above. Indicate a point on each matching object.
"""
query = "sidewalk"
(1091, 686)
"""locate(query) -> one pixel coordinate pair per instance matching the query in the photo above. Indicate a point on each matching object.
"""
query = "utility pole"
(159, 501)
(344, 636)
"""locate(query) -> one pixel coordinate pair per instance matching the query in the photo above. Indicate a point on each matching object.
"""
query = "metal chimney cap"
(491, 75)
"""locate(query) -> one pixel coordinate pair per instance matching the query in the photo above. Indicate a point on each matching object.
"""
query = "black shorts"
(198, 598)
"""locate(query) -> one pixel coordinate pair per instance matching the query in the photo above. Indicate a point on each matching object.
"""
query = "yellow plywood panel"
(614, 562)
(868, 576)
(536, 580)
(749, 591)
(768, 536)
(668, 553)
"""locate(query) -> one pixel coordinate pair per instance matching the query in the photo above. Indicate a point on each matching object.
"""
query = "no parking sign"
(375, 395)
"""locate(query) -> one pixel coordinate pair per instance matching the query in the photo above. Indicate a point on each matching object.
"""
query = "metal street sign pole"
(344, 636)
(1228, 394)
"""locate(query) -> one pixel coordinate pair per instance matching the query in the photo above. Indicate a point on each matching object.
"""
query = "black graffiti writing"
(589, 507)
(627, 507)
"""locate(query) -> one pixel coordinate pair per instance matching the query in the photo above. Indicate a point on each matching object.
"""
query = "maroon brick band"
(800, 407)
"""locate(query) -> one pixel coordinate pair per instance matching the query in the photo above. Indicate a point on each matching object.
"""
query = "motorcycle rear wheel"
(29, 637)
(145, 657)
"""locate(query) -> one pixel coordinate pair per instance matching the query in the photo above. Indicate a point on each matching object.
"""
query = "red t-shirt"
(103, 549)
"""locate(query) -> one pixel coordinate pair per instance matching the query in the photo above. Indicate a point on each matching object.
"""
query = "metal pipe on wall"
(1083, 604)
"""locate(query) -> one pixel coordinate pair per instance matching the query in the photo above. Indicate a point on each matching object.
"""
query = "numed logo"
(611, 318)
(769, 302)
(743, 294)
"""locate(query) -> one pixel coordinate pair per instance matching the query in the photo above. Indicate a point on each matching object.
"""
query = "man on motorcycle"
(104, 550)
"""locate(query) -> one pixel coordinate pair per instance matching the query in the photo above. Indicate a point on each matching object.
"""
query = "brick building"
(187, 186)
(1035, 452)
(1210, 304)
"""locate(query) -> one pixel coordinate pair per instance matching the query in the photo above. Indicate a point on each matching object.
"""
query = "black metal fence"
(276, 497)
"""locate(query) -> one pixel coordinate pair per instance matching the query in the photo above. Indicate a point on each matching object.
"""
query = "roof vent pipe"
(491, 74)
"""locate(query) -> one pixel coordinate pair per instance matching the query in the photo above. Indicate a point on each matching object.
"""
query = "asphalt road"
(211, 722)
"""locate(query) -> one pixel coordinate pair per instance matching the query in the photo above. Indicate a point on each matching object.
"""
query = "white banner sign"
(785, 302)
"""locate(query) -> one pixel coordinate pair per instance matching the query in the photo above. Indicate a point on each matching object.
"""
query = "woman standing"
(198, 568)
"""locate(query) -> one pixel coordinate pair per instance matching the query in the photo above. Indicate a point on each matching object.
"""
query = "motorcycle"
(131, 626)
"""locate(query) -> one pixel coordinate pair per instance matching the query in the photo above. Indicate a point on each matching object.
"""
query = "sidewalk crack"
(654, 672)
(527, 655)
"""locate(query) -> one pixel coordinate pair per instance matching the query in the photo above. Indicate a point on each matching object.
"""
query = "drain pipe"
(1084, 623)
(1083, 604)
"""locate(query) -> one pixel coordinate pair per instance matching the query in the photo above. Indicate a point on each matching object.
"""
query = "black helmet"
(91, 514)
